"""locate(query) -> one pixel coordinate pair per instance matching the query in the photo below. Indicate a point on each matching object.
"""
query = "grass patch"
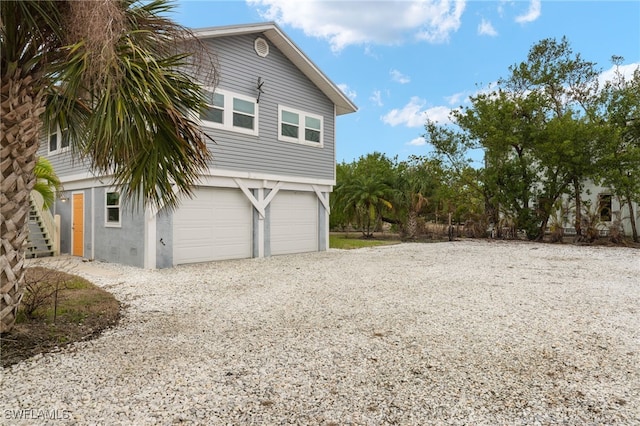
(354, 241)
(77, 311)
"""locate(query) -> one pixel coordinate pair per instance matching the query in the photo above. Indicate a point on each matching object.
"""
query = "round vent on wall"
(261, 46)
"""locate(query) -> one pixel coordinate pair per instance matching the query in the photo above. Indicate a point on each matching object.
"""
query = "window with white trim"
(58, 140)
(230, 111)
(299, 127)
(112, 208)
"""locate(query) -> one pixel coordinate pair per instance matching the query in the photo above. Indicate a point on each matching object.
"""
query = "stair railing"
(51, 225)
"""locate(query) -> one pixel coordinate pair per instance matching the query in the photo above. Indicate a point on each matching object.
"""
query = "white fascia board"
(268, 180)
(228, 30)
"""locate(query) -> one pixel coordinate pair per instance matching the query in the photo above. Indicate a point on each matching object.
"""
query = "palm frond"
(47, 181)
(134, 122)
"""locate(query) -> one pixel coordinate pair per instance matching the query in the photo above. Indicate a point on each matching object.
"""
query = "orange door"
(77, 227)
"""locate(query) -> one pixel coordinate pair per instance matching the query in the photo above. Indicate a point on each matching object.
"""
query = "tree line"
(545, 131)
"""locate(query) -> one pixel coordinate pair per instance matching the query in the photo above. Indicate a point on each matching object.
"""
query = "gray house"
(267, 188)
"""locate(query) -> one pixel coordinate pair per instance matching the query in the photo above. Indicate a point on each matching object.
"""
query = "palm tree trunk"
(412, 226)
(20, 110)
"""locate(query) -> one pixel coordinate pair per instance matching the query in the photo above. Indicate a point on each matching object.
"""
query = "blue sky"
(403, 61)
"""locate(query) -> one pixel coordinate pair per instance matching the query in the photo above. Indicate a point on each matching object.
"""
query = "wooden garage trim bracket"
(259, 205)
(324, 199)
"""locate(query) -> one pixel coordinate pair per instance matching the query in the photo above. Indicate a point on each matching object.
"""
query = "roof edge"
(225, 30)
(271, 30)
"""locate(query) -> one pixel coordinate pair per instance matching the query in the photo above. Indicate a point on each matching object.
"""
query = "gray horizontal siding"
(284, 84)
(63, 162)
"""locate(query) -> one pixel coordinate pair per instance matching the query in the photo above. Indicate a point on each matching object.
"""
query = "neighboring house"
(267, 189)
(604, 208)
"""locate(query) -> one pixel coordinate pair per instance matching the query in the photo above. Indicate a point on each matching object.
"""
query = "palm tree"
(114, 73)
(47, 181)
(416, 181)
(369, 197)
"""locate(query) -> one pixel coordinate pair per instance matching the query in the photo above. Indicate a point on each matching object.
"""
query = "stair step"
(39, 253)
(46, 247)
(39, 243)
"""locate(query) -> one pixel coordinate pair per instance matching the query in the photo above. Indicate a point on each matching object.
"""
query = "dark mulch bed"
(83, 311)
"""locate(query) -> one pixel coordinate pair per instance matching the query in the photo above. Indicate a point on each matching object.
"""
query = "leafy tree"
(561, 87)
(620, 147)
(568, 149)
(506, 127)
(417, 186)
(376, 189)
(113, 73)
(364, 191)
(342, 215)
(537, 131)
(464, 196)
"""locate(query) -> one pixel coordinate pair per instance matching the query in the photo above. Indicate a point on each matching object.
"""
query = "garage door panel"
(294, 222)
(214, 225)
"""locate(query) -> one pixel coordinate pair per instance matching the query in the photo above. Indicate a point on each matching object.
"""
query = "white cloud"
(419, 141)
(532, 14)
(501, 5)
(368, 50)
(414, 114)
(439, 114)
(610, 74)
(442, 19)
(351, 94)
(376, 98)
(345, 23)
(457, 98)
(485, 28)
(397, 76)
(411, 115)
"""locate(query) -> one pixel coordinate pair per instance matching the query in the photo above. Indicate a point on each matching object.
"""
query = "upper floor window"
(300, 127)
(58, 140)
(230, 111)
(112, 208)
(215, 108)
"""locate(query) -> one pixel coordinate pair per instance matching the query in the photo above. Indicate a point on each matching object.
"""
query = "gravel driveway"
(469, 332)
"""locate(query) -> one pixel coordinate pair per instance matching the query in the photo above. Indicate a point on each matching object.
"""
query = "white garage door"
(214, 225)
(294, 222)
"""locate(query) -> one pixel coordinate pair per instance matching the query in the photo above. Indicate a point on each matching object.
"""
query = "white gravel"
(469, 332)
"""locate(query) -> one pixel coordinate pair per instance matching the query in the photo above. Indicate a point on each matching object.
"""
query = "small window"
(243, 113)
(215, 108)
(53, 141)
(299, 127)
(604, 206)
(229, 111)
(290, 124)
(112, 216)
(312, 129)
(58, 140)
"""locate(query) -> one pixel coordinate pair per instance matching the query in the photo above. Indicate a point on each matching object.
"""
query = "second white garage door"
(214, 225)
(294, 222)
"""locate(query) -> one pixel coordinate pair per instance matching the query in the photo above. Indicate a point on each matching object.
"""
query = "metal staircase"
(40, 241)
